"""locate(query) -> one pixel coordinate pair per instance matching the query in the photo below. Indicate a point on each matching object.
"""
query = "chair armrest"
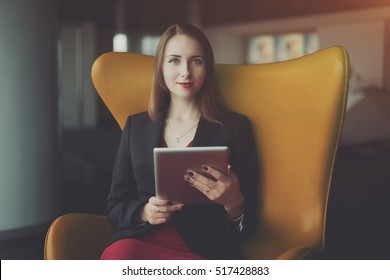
(77, 236)
(296, 253)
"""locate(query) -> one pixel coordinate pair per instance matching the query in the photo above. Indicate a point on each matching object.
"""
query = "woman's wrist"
(236, 219)
(235, 211)
(235, 215)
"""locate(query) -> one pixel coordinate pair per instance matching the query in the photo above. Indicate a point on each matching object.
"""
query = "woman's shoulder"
(142, 116)
(232, 116)
(135, 120)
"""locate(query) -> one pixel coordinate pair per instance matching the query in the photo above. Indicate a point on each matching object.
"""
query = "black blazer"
(205, 229)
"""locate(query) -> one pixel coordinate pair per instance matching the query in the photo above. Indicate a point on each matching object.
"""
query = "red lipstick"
(185, 85)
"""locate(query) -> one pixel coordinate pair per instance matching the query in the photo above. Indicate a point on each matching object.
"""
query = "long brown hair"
(207, 98)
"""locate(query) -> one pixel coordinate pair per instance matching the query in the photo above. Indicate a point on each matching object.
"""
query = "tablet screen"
(171, 165)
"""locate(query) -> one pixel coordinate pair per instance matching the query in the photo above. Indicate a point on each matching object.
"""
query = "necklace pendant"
(178, 138)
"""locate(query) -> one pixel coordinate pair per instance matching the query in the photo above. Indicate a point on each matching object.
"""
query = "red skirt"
(162, 243)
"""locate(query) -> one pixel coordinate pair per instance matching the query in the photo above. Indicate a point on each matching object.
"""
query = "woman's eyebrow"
(193, 56)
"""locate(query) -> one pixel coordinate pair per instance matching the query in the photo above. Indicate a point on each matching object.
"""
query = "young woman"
(183, 111)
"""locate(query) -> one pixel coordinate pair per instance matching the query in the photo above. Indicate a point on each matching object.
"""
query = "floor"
(29, 248)
(358, 221)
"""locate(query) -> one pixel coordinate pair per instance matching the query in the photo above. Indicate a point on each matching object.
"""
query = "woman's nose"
(185, 70)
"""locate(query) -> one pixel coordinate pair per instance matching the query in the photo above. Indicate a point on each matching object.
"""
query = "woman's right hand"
(158, 211)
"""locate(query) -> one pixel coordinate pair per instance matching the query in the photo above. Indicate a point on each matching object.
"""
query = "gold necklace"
(178, 138)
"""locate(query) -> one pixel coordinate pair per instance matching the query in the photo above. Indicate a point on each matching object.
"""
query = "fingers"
(168, 208)
(217, 186)
(207, 179)
(163, 205)
(158, 201)
(159, 210)
(218, 175)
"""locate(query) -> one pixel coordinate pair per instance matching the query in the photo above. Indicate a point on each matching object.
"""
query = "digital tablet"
(172, 164)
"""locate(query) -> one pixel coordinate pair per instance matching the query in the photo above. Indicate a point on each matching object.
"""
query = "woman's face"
(184, 67)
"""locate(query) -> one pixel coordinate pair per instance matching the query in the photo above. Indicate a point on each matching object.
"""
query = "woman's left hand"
(225, 190)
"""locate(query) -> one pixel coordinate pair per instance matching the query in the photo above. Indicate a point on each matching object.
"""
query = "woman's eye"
(197, 61)
(173, 60)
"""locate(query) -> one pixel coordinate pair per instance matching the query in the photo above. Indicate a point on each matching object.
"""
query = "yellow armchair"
(297, 108)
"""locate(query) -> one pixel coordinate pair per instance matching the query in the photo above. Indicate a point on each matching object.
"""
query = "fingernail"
(187, 178)
(190, 173)
(205, 168)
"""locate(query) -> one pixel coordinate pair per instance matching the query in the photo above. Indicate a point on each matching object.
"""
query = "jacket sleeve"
(124, 199)
(245, 163)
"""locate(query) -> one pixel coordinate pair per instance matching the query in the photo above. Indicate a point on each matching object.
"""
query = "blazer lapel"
(154, 132)
(204, 132)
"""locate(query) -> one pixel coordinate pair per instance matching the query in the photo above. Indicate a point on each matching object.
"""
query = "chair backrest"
(297, 109)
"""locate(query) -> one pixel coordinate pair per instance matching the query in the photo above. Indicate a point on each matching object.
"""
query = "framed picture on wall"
(279, 47)
(312, 43)
(261, 49)
(289, 46)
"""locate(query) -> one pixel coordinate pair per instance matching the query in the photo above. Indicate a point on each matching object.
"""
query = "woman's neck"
(183, 110)
(181, 123)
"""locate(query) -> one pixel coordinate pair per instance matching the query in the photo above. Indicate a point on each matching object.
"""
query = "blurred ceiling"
(153, 16)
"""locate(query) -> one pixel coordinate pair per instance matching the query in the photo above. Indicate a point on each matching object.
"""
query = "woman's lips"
(185, 85)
